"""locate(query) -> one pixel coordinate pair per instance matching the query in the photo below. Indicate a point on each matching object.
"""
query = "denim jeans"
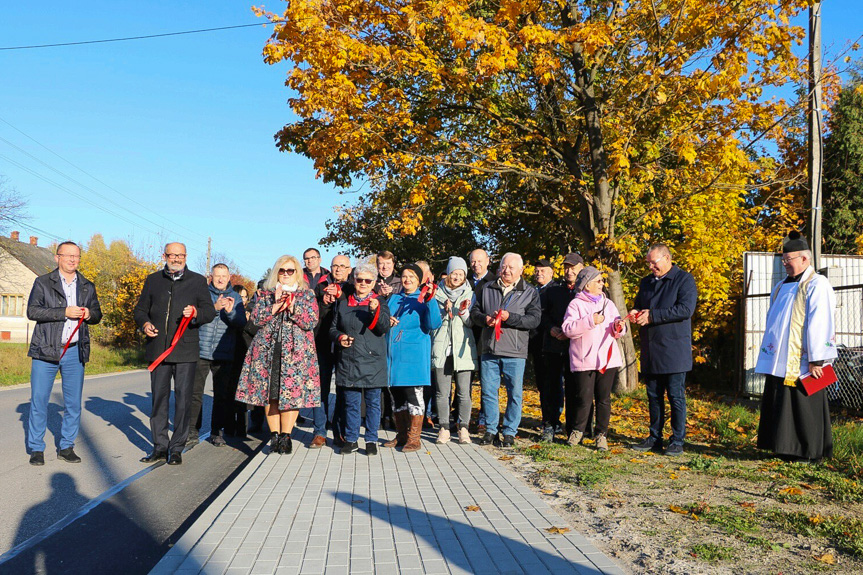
(321, 413)
(493, 369)
(352, 398)
(42, 374)
(658, 386)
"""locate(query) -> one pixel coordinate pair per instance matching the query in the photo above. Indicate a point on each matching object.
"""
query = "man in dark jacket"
(168, 296)
(313, 272)
(544, 276)
(479, 262)
(328, 291)
(508, 309)
(217, 342)
(389, 282)
(663, 308)
(555, 345)
(63, 303)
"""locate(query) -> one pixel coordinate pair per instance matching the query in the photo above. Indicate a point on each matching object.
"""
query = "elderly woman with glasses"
(360, 324)
(414, 316)
(593, 325)
(281, 368)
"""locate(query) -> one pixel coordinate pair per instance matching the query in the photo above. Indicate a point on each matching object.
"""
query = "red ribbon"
(498, 329)
(618, 329)
(353, 302)
(184, 323)
(287, 300)
(69, 341)
(427, 292)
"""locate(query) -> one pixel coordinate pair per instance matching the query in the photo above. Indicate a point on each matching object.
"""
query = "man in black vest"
(168, 296)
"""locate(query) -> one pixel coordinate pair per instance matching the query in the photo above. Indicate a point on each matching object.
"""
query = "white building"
(20, 264)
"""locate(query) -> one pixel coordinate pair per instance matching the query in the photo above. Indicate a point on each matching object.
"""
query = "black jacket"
(161, 303)
(666, 342)
(364, 364)
(536, 335)
(325, 312)
(47, 307)
(522, 303)
(557, 299)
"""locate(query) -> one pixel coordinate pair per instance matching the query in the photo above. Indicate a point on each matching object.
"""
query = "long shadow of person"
(44, 514)
(469, 548)
(123, 417)
(55, 421)
(144, 404)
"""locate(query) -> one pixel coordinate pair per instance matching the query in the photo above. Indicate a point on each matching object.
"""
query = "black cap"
(415, 269)
(573, 259)
(543, 263)
(795, 242)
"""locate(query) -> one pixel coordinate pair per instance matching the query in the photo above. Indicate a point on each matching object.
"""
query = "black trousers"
(584, 390)
(223, 414)
(556, 367)
(183, 375)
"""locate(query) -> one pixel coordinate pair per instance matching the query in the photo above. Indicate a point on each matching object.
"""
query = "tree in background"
(13, 207)
(843, 171)
(596, 125)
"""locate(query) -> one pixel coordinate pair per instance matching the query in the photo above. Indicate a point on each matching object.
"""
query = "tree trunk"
(627, 377)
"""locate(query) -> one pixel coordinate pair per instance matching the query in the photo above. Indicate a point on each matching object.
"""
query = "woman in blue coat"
(409, 356)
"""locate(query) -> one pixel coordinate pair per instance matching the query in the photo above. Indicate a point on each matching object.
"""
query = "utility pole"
(209, 250)
(815, 133)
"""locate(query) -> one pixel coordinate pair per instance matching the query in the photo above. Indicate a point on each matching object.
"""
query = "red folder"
(812, 385)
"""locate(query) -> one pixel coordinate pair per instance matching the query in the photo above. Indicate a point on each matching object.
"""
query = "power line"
(202, 30)
(34, 228)
(134, 201)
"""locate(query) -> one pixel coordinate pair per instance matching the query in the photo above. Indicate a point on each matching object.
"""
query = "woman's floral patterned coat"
(300, 377)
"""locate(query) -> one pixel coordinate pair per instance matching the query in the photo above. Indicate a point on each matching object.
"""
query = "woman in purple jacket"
(592, 323)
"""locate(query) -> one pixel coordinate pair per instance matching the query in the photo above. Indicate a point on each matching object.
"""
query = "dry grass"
(15, 365)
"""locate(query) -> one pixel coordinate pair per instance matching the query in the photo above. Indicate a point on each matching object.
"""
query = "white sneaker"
(443, 435)
(463, 435)
(575, 438)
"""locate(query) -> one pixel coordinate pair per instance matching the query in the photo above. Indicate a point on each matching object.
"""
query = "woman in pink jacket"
(592, 323)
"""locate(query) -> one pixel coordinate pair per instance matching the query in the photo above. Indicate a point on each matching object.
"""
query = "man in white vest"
(798, 339)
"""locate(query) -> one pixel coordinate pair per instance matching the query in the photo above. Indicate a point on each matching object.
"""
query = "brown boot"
(400, 419)
(416, 427)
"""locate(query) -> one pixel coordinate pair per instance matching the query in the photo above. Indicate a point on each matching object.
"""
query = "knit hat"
(795, 242)
(573, 259)
(543, 263)
(415, 269)
(584, 277)
(456, 263)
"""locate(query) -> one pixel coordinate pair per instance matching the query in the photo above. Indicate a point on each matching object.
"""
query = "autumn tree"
(13, 206)
(616, 124)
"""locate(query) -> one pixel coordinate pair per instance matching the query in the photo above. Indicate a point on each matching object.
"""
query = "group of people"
(391, 337)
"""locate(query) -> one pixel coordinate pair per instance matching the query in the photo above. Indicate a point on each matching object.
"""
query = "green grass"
(711, 553)
(844, 532)
(15, 365)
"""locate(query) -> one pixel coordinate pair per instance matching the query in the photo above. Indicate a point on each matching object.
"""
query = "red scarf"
(354, 302)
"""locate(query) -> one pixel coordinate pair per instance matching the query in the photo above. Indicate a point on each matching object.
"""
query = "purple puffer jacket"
(589, 343)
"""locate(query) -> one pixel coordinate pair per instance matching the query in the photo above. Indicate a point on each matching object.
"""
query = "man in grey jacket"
(508, 309)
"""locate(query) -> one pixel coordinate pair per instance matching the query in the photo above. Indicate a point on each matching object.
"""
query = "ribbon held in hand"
(354, 302)
(184, 323)
(69, 341)
(427, 292)
(498, 329)
(287, 300)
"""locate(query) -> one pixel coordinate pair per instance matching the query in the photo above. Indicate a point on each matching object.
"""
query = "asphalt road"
(130, 530)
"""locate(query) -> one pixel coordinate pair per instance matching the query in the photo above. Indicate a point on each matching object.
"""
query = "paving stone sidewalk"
(316, 511)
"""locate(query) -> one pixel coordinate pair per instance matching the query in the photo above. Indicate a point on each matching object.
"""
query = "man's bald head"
(341, 267)
(479, 261)
(175, 256)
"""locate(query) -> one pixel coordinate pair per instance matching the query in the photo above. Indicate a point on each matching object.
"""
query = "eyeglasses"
(598, 280)
(656, 262)
(364, 280)
(70, 256)
(786, 261)
(305, 258)
(286, 271)
(175, 256)
(340, 266)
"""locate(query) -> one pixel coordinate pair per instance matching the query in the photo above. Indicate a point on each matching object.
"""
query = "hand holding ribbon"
(74, 331)
(498, 329)
(184, 323)
(427, 292)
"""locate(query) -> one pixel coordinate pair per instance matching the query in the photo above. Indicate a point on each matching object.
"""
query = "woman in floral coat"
(281, 368)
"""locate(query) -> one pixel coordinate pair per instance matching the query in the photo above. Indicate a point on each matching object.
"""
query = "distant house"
(20, 264)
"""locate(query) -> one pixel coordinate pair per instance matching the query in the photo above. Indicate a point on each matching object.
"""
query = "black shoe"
(192, 440)
(349, 447)
(338, 441)
(37, 458)
(674, 450)
(286, 446)
(371, 448)
(176, 458)
(154, 457)
(275, 447)
(488, 439)
(68, 455)
(547, 434)
(648, 444)
(217, 440)
(508, 441)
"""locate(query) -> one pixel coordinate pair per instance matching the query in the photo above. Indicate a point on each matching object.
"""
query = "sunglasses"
(286, 271)
(364, 280)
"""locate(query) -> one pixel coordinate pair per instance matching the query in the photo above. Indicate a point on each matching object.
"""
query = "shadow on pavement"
(55, 421)
(122, 417)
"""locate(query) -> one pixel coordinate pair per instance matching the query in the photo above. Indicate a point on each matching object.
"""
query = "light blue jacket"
(409, 341)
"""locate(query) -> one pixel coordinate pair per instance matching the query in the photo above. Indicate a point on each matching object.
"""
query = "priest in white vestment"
(799, 338)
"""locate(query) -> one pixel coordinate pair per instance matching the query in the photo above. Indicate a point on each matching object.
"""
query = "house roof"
(38, 260)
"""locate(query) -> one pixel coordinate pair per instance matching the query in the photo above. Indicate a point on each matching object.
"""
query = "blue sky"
(182, 125)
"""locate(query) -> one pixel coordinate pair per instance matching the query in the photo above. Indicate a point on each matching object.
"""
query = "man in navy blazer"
(663, 308)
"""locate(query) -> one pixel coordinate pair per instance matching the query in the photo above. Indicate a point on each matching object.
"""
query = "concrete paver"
(318, 512)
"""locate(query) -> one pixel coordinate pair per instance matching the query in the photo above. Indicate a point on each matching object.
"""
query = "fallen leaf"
(677, 509)
(790, 491)
(813, 487)
(535, 446)
(558, 530)
(634, 460)
(827, 559)
(506, 457)
(683, 468)
(616, 451)
(672, 476)
(472, 508)
(548, 491)
(816, 519)
(747, 504)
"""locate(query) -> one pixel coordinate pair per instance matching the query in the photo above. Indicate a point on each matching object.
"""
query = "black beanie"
(416, 269)
(795, 242)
